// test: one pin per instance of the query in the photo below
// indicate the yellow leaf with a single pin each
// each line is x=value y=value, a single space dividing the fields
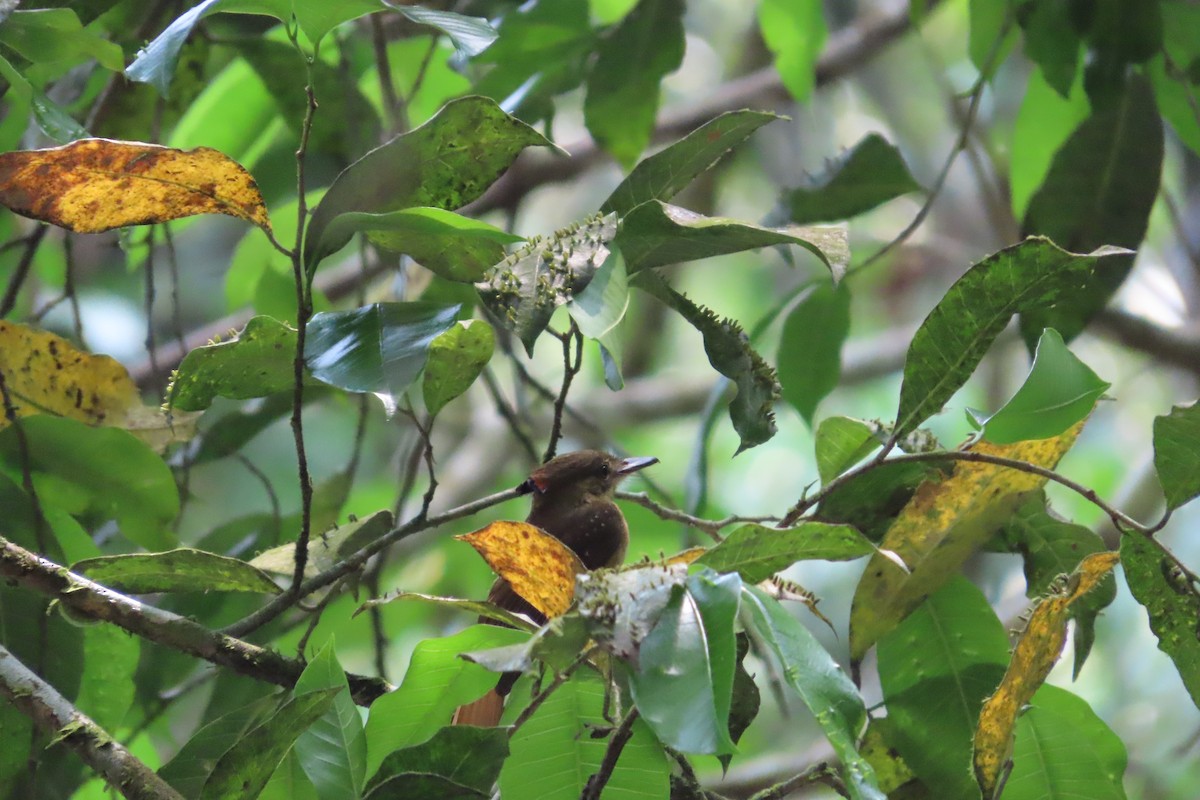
x=1036 y=651
x=685 y=556
x=942 y=525
x=94 y=185
x=46 y=374
x=540 y=568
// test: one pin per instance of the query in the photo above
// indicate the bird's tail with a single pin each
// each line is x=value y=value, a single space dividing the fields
x=484 y=712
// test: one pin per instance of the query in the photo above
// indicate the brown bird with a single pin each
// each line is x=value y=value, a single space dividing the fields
x=573 y=502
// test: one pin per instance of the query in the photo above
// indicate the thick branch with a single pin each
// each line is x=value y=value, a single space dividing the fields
x=61 y=721
x=179 y=633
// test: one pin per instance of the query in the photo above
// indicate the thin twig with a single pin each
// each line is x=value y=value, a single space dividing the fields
x=32 y=241
x=509 y=415
x=10 y=413
x=616 y=744
x=148 y=300
x=818 y=773
x=272 y=497
x=387 y=89
x=710 y=527
x=570 y=370
x=550 y=689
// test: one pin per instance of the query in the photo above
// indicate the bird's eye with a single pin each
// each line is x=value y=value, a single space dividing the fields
x=605 y=470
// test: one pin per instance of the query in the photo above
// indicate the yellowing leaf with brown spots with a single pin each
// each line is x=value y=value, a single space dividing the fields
x=540 y=568
x=94 y=185
x=942 y=525
x=1036 y=651
x=46 y=374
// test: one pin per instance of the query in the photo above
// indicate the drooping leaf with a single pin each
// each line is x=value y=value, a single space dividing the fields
x=667 y=172
x=95 y=185
x=470 y=35
x=991 y=35
x=540 y=568
x=247 y=766
x=1034 y=654
x=684 y=677
x=730 y=353
x=942 y=525
x=936 y=668
x=1059 y=391
x=1051 y=547
x=318 y=17
x=1172 y=601
x=1177 y=454
x=525 y=288
x=155 y=63
x=1099 y=191
x=1063 y=749
x=1052 y=42
x=746 y=697
x=821 y=684
x=623 y=85
x=446 y=163
x=599 y=308
x=1044 y=121
x=188 y=769
x=105 y=472
x=795 y=32
x=256 y=363
x=456 y=358
x=181 y=570
x=437 y=682
x=24 y=101
x=46 y=374
x=457 y=248
x=326 y=548
x=757 y=552
x=810 y=348
x=840 y=443
x=555 y=752
x=869 y=174
x=379 y=348
x=954 y=337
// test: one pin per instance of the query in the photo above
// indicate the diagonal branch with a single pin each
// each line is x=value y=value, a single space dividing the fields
x=61 y=721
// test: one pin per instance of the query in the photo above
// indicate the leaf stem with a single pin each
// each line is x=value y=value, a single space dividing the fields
x=571 y=368
x=616 y=744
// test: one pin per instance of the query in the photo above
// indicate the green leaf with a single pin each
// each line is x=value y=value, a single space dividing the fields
x=599 y=308
x=288 y=781
x=1044 y=122
x=189 y=769
x=466 y=755
x=476 y=607
x=106 y=472
x=277 y=65
x=51 y=119
x=795 y=32
x=1063 y=750
x=1052 y=547
x=256 y=363
x=730 y=353
x=623 y=85
x=667 y=172
x=336 y=544
x=333 y=751
x=872 y=500
x=1100 y=190
x=524 y=289
x=1051 y=42
x=1171 y=600
x=555 y=752
x=820 y=682
x=456 y=358
x=683 y=680
x=436 y=683
x=55 y=34
x=950 y=343
x=246 y=767
x=656 y=233
x=1059 y=391
x=446 y=163
x=810 y=347
x=470 y=35
x=746 y=698
x=757 y=552
x=1177 y=454
x=989 y=21
x=870 y=174
x=457 y=248
x=840 y=443
x=936 y=668
x=378 y=348
x=319 y=17
x=181 y=570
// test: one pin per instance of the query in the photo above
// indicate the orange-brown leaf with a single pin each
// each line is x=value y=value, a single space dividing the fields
x=1036 y=651
x=540 y=568
x=94 y=185
x=46 y=374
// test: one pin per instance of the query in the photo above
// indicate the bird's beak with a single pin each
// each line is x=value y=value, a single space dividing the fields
x=631 y=465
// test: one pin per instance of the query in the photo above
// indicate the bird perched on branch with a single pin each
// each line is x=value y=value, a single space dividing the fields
x=573 y=502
